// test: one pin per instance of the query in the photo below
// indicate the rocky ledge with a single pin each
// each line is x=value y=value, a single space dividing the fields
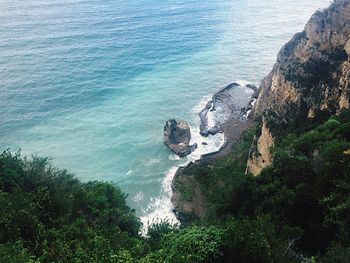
x=226 y=112
x=231 y=102
x=177 y=136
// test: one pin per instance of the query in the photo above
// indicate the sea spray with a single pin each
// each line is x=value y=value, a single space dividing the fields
x=160 y=208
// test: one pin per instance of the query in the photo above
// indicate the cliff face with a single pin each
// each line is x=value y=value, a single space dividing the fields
x=311 y=78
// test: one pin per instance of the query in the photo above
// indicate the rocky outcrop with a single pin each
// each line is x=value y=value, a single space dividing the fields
x=262 y=156
x=224 y=112
x=225 y=105
x=177 y=136
x=310 y=80
x=188 y=199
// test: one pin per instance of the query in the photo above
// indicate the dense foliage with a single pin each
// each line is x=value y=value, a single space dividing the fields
x=297 y=210
x=48 y=215
x=302 y=201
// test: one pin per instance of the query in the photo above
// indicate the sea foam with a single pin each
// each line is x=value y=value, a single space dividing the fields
x=161 y=208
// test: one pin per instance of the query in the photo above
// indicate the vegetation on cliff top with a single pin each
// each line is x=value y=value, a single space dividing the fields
x=298 y=210
x=302 y=200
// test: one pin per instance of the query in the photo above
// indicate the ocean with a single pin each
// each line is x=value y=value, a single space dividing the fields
x=90 y=83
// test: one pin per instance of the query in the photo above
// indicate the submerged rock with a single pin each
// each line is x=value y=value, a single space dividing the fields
x=177 y=136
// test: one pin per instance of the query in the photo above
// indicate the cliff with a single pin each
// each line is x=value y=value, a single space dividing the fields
x=309 y=81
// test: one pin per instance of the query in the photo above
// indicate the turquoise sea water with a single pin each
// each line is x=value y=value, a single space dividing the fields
x=92 y=82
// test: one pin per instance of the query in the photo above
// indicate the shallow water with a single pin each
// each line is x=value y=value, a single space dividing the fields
x=91 y=83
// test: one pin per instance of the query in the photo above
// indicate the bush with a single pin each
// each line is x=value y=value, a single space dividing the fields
x=47 y=214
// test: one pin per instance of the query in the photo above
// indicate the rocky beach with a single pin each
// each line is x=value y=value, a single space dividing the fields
x=227 y=112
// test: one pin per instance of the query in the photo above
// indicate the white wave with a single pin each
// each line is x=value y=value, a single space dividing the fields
x=243 y=83
x=138 y=197
x=247 y=114
x=174 y=157
x=161 y=208
x=201 y=105
x=152 y=161
x=211 y=144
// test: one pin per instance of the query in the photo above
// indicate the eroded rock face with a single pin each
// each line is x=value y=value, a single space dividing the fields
x=177 y=136
x=311 y=78
x=257 y=162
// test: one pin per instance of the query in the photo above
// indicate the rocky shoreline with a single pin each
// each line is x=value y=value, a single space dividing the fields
x=224 y=106
x=227 y=112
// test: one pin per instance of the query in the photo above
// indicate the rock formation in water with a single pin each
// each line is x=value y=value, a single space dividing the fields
x=177 y=136
x=310 y=80
x=225 y=105
x=226 y=112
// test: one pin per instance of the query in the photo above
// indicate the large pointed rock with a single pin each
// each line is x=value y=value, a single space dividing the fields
x=177 y=136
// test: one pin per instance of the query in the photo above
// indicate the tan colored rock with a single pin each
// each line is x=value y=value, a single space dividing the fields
x=262 y=158
x=344 y=102
x=311 y=75
x=311 y=113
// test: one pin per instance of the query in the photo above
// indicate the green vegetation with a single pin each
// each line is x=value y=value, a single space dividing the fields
x=221 y=181
x=299 y=207
x=297 y=210
x=49 y=216
x=186 y=190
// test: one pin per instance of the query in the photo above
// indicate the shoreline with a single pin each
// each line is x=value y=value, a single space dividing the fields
x=232 y=130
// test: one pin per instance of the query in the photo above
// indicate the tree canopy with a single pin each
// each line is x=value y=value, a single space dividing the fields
x=297 y=210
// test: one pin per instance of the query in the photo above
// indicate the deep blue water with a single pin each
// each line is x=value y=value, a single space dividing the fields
x=91 y=83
